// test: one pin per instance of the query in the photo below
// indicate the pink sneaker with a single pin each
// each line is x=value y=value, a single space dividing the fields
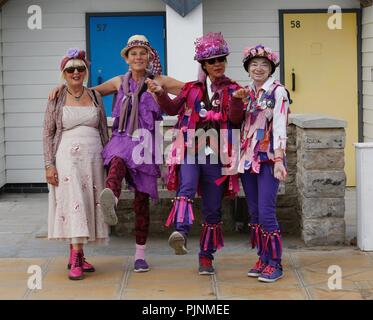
x=76 y=271
x=87 y=267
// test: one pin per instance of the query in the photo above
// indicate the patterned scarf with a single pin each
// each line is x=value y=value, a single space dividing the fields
x=133 y=99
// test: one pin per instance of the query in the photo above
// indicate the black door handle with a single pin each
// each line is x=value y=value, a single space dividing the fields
x=293 y=81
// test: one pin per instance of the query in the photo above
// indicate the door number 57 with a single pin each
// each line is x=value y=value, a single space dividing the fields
x=101 y=27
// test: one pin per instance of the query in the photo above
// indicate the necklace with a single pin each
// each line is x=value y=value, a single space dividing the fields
x=77 y=98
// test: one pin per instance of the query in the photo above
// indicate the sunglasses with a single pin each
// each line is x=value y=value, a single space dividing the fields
x=72 y=69
x=213 y=60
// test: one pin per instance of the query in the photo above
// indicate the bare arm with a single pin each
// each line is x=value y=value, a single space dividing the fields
x=109 y=86
x=169 y=84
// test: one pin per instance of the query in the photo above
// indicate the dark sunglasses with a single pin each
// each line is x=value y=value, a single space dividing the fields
x=213 y=60
x=72 y=69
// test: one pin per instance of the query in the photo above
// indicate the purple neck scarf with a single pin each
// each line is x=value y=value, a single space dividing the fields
x=133 y=98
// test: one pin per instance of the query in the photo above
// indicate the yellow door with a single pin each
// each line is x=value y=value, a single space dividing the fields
x=325 y=64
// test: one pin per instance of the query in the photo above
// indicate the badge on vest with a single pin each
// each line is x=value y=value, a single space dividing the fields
x=268 y=103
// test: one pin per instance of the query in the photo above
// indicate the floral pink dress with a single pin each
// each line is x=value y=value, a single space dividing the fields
x=74 y=210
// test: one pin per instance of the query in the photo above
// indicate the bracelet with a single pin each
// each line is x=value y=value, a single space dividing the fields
x=49 y=165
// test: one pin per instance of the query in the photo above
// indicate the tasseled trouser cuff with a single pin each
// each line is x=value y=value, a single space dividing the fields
x=211 y=237
x=272 y=246
x=181 y=212
x=256 y=237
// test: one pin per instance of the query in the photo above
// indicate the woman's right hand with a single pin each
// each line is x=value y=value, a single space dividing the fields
x=240 y=93
x=52 y=175
x=55 y=92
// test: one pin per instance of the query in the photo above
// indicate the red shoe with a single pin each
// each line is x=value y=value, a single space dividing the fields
x=205 y=266
x=76 y=271
x=87 y=267
x=257 y=269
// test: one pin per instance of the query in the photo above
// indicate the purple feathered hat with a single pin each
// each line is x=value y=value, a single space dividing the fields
x=211 y=45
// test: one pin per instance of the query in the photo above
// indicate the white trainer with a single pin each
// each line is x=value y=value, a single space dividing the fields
x=177 y=242
x=107 y=202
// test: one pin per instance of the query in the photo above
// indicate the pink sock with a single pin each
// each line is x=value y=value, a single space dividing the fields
x=140 y=252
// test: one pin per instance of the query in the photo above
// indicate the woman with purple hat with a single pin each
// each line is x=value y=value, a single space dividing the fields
x=262 y=162
x=74 y=134
x=204 y=104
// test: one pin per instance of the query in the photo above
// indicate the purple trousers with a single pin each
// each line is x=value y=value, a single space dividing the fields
x=261 y=192
x=203 y=175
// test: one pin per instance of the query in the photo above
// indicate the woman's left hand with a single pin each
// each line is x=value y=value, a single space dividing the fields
x=280 y=172
x=153 y=86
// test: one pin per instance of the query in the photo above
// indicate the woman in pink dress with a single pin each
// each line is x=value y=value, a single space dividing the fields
x=75 y=132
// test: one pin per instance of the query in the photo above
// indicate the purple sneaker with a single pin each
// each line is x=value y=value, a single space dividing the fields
x=141 y=266
x=271 y=274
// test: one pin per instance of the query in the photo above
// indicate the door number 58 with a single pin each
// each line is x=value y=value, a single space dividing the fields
x=295 y=24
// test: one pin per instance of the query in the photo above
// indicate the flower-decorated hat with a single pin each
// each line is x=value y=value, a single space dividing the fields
x=73 y=53
x=260 y=51
x=139 y=40
x=211 y=45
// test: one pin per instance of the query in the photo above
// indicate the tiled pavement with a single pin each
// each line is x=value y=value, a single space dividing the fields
x=23 y=217
x=175 y=277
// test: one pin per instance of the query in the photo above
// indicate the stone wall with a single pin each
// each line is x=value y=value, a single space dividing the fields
x=321 y=179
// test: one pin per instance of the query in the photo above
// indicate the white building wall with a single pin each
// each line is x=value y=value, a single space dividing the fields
x=31 y=69
x=2 y=130
x=367 y=48
x=181 y=33
x=249 y=22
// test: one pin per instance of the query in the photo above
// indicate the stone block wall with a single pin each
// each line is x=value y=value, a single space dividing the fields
x=321 y=179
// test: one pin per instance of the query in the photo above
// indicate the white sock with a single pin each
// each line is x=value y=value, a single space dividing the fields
x=140 y=251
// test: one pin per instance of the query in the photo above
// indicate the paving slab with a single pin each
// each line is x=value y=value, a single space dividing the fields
x=23 y=221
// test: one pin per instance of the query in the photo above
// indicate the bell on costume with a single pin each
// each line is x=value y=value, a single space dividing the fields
x=203 y=111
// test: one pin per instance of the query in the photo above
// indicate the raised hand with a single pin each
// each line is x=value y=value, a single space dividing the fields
x=55 y=92
x=240 y=93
